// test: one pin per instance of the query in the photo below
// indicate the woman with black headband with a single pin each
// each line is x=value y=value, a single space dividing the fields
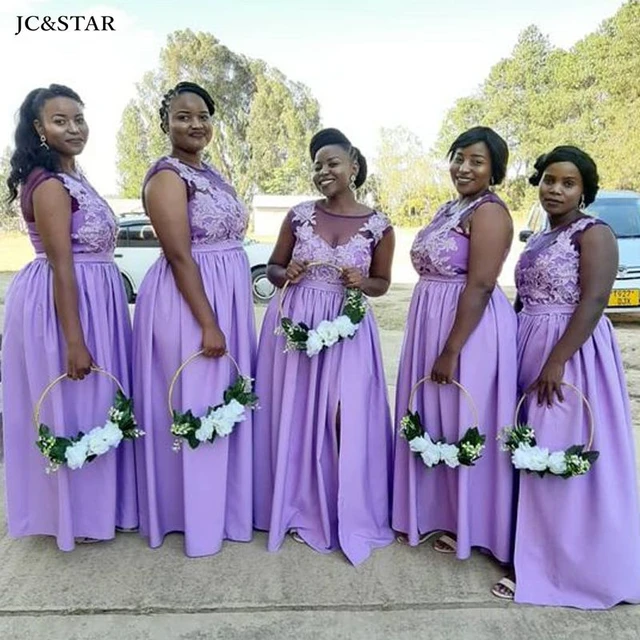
x=578 y=526
x=196 y=297
x=323 y=435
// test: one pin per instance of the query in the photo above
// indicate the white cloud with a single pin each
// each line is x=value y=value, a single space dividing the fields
x=102 y=67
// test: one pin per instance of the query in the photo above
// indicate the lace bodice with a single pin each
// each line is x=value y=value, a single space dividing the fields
x=215 y=211
x=346 y=241
x=442 y=247
x=548 y=271
x=93 y=225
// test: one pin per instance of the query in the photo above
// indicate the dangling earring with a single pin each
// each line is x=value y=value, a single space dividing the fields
x=352 y=183
x=492 y=183
x=43 y=142
x=581 y=206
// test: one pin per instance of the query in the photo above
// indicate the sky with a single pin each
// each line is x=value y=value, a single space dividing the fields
x=370 y=63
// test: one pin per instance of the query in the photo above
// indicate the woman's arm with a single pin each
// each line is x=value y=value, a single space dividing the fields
x=52 y=211
x=165 y=197
x=598 y=267
x=281 y=268
x=379 y=279
x=491 y=233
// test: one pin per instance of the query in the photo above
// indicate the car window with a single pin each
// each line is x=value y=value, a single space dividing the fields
x=142 y=235
x=621 y=214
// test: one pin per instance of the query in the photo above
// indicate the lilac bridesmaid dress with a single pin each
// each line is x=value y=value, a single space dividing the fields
x=89 y=502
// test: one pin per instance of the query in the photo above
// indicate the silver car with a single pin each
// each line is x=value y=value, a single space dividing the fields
x=138 y=248
x=621 y=211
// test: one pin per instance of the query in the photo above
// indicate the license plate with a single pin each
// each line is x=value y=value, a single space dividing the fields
x=624 y=298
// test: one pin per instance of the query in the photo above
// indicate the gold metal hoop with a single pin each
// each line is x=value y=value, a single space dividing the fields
x=592 y=427
x=467 y=395
x=181 y=368
x=318 y=263
x=53 y=383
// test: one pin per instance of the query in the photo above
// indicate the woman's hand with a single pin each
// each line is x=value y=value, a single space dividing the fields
x=214 y=344
x=79 y=361
x=295 y=271
x=444 y=367
x=549 y=382
x=352 y=278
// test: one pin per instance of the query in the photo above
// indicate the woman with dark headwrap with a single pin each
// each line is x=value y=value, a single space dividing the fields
x=195 y=297
x=323 y=435
x=577 y=538
x=461 y=327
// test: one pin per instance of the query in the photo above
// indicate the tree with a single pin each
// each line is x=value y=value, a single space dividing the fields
x=410 y=185
x=133 y=156
x=9 y=213
x=256 y=108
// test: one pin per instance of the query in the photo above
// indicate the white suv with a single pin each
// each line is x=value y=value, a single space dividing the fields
x=621 y=211
x=138 y=248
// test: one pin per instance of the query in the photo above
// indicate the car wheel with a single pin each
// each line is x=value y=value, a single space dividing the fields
x=128 y=289
x=262 y=289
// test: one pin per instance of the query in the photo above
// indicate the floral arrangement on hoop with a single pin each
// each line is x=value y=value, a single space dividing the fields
x=466 y=451
x=74 y=452
x=300 y=337
x=526 y=455
x=219 y=420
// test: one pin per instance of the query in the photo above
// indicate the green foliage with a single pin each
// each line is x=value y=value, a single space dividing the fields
x=542 y=96
x=262 y=125
x=9 y=213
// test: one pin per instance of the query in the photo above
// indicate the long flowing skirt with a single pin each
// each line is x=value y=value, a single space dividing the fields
x=205 y=492
x=323 y=437
x=473 y=502
x=578 y=539
x=88 y=502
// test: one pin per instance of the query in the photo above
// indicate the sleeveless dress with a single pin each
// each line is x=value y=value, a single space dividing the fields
x=203 y=492
x=474 y=502
x=577 y=539
x=332 y=486
x=92 y=501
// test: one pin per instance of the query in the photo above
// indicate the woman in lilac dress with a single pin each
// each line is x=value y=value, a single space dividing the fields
x=460 y=327
x=196 y=296
x=323 y=435
x=65 y=311
x=577 y=539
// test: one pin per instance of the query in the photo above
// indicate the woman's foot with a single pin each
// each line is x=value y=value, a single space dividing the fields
x=445 y=544
x=296 y=536
x=402 y=538
x=504 y=588
x=84 y=540
x=124 y=530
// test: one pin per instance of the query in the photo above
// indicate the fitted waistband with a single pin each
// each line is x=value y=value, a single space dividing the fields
x=223 y=245
x=84 y=257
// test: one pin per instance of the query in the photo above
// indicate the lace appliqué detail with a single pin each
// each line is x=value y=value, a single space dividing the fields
x=311 y=247
x=216 y=213
x=94 y=224
x=553 y=276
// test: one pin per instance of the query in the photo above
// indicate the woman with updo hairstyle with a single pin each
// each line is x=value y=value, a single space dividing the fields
x=196 y=297
x=461 y=327
x=323 y=435
x=577 y=540
x=65 y=312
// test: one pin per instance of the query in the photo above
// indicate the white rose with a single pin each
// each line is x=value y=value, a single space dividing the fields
x=521 y=457
x=419 y=444
x=314 y=343
x=206 y=428
x=557 y=463
x=223 y=422
x=97 y=441
x=431 y=456
x=112 y=434
x=539 y=459
x=328 y=332
x=449 y=454
x=76 y=455
x=235 y=410
x=344 y=326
